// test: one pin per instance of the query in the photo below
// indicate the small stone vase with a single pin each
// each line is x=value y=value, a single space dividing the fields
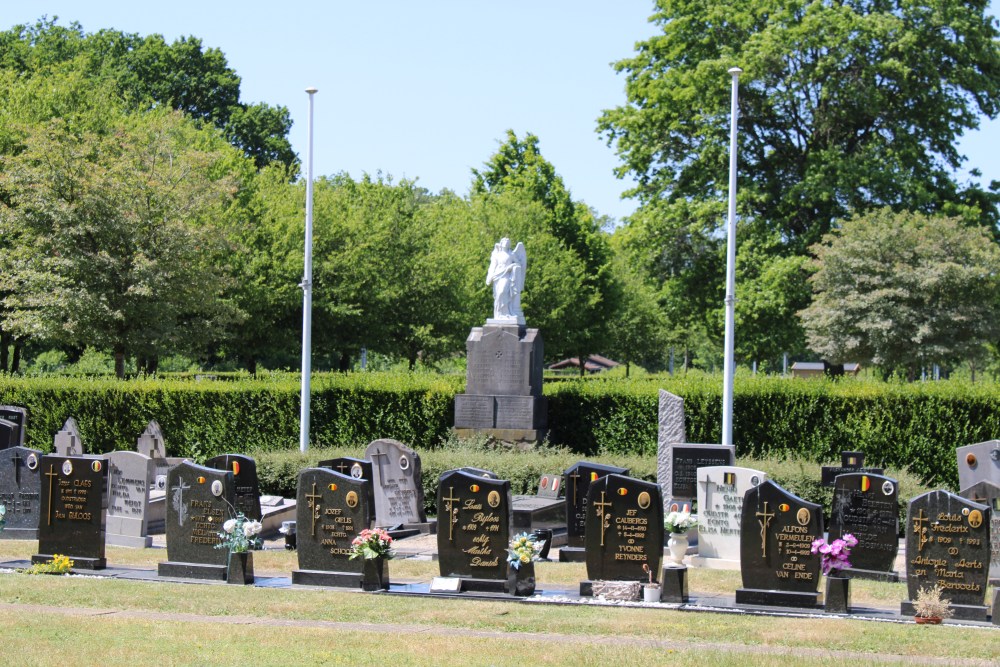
x=838 y=595
x=651 y=593
x=375 y=574
x=239 y=568
x=521 y=581
x=678 y=546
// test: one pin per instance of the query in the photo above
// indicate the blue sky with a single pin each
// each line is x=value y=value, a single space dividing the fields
x=426 y=90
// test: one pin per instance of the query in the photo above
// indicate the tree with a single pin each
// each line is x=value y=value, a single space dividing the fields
x=845 y=107
x=904 y=290
x=110 y=241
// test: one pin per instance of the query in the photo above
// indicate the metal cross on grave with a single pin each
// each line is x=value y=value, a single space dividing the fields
x=452 y=512
x=313 y=502
x=764 y=519
x=605 y=516
x=343 y=466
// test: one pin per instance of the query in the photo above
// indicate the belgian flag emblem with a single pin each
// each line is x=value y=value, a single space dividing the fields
x=729 y=478
x=865 y=484
x=593 y=477
x=236 y=468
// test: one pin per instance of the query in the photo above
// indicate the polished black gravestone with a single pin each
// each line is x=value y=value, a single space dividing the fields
x=356 y=468
x=331 y=510
x=13 y=426
x=20 y=492
x=988 y=493
x=624 y=529
x=685 y=460
x=473 y=529
x=948 y=545
x=247 y=489
x=579 y=477
x=73 y=510
x=777 y=532
x=866 y=505
x=850 y=462
x=199 y=500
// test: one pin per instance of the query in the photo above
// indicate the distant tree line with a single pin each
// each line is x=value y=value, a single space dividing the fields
x=146 y=211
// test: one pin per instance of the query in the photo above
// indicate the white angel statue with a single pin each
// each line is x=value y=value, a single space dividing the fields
x=506 y=274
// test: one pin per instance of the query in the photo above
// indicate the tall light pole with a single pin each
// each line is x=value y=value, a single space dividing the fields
x=306 y=286
x=729 y=361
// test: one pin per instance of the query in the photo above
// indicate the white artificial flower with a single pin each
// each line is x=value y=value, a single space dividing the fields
x=251 y=528
x=229 y=525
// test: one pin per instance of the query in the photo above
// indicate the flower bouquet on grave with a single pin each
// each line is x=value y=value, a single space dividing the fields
x=679 y=522
x=523 y=549
x=240 y=535
x=833 y=557
x=372 y=544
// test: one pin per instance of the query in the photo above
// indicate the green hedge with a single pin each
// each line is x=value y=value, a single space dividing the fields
x=915 y=426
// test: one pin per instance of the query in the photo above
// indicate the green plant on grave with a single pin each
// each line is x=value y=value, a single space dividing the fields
x=930 y=604
x=58 y=565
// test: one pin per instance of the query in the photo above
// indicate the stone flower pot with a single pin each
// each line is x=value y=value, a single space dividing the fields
x=239 y=568
x=521 y=581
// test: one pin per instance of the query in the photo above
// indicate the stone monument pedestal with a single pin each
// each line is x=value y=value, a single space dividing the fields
x=503 y=393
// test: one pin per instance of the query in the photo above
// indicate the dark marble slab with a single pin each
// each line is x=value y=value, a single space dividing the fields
x=624 y=528
x=21 y=492
x=474 y=515
x=247 y=487
x=73 y=510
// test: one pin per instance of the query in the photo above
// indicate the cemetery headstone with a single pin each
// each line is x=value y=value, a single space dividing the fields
x=850 y=462
x=776 y=534
x=978 y=462
x=129 y=477
x=578 y=478
x=20 y=492
x=73 y=510
x=671 y=432
x=356 y=468
x=624 y=529
x=948 y=545
x=199 y=500
x=479 y=472
x=397 y=478
x=332 y=509
x=247 y=488
x=685 y=459
x=720 y=512
x=543 y=511
x=13 y=426
x=988 y=493
x=151 y=442
x=473 y=529
x=67 y=442
x=867 y=506
x=549 y=486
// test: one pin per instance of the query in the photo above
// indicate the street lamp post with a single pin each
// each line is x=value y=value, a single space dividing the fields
x=306 y=286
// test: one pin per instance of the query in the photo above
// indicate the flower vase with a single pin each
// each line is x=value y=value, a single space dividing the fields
x=838 y=594
x=239 y=568
x=927 y=620
x=521 y=580
x=375 y=574
x=651 y=593
x=678 y=545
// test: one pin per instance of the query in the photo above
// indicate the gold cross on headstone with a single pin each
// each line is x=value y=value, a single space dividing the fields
x=452 y=512
x=343 y=466
x=605 y=516
x=921 y=530
x=764 y=519
x=51 y=474
x=312 y=500
x=576 y=482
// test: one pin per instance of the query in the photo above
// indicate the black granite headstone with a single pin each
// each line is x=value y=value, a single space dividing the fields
x=473 y=526
x=867 y=506
x=20 y=492
x=579 y=477
x=479 y=472
x=199 y=500
x=247 y=490
x=624 y=528
x=356 y=468
x=850 y=462
x=948 y=545
x=988 y=493
x=777 y=532
x=73 y=510
x=685 y=461
x=13 y=426
x=331 y=510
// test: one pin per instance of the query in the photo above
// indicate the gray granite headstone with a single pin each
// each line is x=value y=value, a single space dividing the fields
x=988 y=493
x=129 y=477
x=151 y=443
x=396 y=472
x=978 y=462
x=332 y=509
x=20 y=492
x=671 y=432
x=948 y=545
x=199 y=501
x=73 y=510
x=13 y=426
x=720 y=510
x=67 y=442
x=247 y=489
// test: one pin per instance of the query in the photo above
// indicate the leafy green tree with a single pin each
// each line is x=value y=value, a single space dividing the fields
x=845 y=107
x=903 y=291
x=109 y=236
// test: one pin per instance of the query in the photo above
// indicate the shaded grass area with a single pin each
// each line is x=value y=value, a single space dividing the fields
x=582 y=626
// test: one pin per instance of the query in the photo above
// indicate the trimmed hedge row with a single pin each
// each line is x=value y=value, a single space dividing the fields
x=915 y=426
